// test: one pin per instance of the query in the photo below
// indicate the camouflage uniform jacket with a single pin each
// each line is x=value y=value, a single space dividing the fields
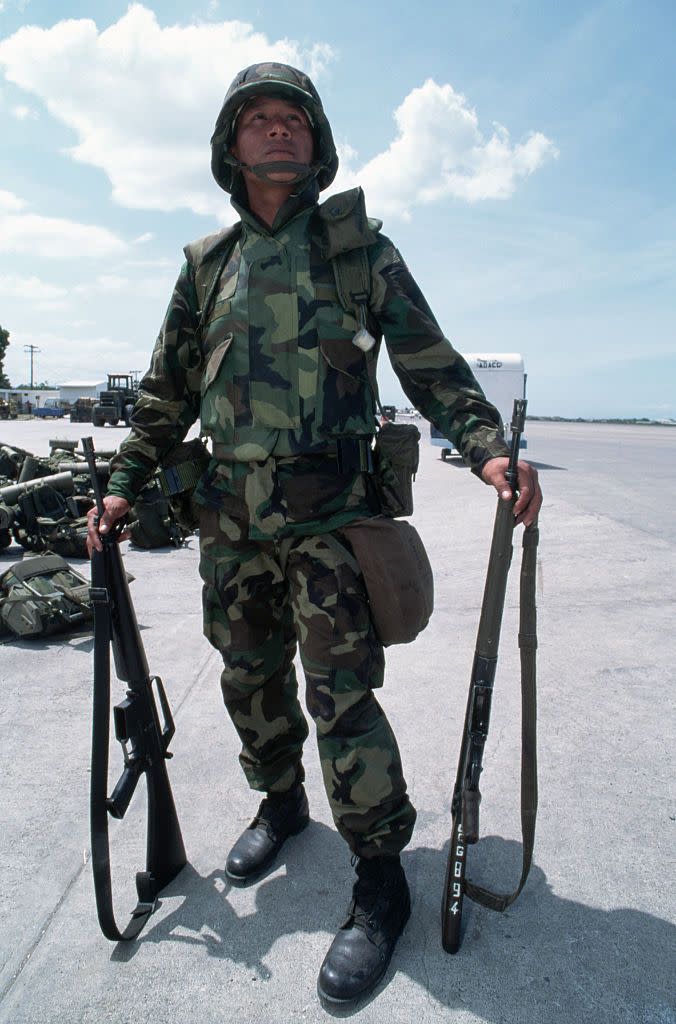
x=275 y=378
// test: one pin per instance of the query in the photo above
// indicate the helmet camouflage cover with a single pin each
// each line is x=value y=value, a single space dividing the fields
x=287 y=83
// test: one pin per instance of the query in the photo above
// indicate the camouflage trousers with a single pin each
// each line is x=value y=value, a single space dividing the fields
x=262 y=600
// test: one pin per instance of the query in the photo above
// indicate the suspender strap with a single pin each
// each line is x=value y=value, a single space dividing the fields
x=346 y=232
x=352 y=274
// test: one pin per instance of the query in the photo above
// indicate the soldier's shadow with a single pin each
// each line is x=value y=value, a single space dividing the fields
x=545 y=959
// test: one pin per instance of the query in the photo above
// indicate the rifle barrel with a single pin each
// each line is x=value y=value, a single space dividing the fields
x=88 y=449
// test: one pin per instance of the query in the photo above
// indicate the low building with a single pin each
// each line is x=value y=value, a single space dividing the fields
x=26 y=399
x=71 y=390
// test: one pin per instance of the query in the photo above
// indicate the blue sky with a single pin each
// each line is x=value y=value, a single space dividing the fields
x=520 y=154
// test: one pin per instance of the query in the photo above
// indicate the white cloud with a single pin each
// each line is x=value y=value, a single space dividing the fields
x=159 y=263
x=440 y=152
x=10 y=202
x=20 y=5
x=135 y=285
x=61 y=357
x=147 y=236
x=146 y=126
x=142 y=99
x=40 y=294
x=53 y=237
x=111 y=282
x=22 y=113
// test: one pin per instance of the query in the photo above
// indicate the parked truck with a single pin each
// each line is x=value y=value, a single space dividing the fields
x=117 y=401
x=502 y=377
x=52 y=408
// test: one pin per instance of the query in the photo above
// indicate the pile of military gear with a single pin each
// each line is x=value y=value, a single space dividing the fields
x=44 y=501
x=43 y=506
x=41 y=595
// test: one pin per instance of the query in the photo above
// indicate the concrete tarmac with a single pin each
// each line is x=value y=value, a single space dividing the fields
x=591 y=938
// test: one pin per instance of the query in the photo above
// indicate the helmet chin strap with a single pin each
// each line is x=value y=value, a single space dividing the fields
x=301 y=172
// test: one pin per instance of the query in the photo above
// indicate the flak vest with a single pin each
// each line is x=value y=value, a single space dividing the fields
x=278 y=316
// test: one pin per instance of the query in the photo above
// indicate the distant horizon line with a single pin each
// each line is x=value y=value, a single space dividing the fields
x=638 y=420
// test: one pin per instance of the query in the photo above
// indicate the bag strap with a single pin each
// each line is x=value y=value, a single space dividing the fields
x=352 y=274
x=529 y=785
x=346 y=233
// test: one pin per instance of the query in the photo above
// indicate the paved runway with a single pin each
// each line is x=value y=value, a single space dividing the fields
x=591 y=938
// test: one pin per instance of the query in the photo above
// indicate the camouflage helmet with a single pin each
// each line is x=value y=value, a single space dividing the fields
x=285 y=82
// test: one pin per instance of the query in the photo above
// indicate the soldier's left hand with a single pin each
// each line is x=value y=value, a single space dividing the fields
x=528 y=503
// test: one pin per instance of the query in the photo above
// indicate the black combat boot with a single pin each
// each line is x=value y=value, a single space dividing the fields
x=358 y=956
x=279 y=816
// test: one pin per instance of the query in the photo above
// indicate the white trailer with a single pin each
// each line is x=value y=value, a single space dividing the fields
x=502 y=377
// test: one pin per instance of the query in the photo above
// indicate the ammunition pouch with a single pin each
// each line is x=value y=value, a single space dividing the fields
x=153 y=525
x=397 y=574
x=178 y=476
x=354 y=454
x=165 y=512
x=395 y=457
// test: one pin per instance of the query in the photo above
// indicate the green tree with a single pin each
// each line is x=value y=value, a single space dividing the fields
x=4 y=342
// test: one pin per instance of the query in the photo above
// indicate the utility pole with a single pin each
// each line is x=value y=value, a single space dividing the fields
x=32 y=349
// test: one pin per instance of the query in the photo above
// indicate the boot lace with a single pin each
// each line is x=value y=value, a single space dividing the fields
x=274 y=811
x=371 y=901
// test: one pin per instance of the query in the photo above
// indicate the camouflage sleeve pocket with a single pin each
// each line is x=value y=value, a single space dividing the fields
x=214 y=363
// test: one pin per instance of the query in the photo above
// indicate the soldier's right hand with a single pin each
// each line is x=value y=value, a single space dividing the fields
x=114 y=509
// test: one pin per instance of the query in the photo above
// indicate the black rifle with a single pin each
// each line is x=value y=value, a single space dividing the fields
x=144 y=739
x=466 y=794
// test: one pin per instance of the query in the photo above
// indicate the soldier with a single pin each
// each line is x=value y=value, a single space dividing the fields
x=264 y=343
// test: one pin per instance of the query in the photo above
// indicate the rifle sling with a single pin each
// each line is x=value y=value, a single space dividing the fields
x=99 y=765
x=529 y=786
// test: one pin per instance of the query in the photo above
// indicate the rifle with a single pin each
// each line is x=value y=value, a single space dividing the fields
x=144 y=739
x=466 y=794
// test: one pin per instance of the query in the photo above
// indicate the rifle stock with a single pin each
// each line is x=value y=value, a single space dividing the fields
x=143 y=735
x=466 y=792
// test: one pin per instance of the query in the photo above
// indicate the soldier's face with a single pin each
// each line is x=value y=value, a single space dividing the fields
x=271 y=129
